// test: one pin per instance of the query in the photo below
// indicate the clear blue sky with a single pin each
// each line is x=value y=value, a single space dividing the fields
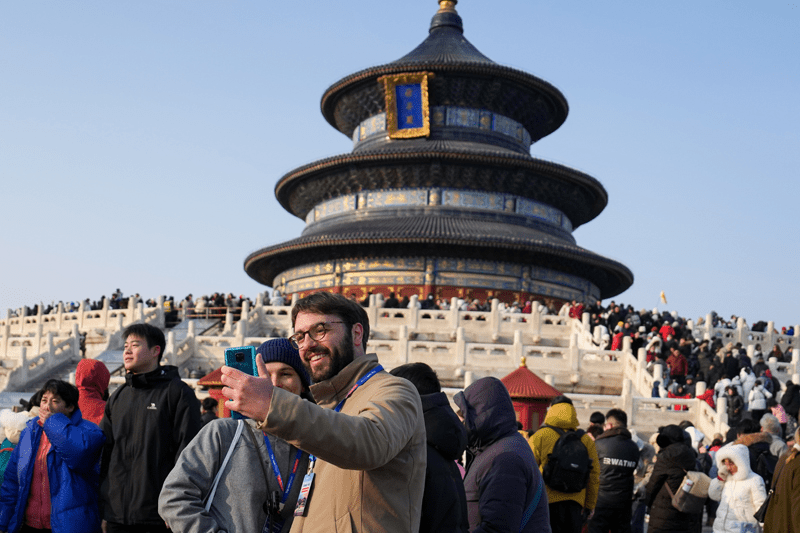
x=140 y=142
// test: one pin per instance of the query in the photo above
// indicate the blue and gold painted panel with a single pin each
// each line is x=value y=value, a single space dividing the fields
x=407 y=110
x=473 y=199
x=392 y=198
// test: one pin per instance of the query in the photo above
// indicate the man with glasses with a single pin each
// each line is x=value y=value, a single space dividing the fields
x=366 y=431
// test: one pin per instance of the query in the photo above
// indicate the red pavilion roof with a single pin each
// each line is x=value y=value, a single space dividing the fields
x=522 y=383
x=214 y=379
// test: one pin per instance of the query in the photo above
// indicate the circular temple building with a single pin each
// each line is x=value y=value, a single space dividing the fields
x=440 y=194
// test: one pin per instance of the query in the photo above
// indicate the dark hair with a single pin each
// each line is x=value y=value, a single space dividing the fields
x=64 y=390
x=209 y=404
x=597 y=418
x=326 y=303
x=594 y=430
x=151 y=334
x=560 y=399
x=747 y=426
x=619 y=415
x=420 y=375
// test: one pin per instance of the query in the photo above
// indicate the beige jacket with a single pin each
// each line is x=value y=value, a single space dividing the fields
x=371 y=456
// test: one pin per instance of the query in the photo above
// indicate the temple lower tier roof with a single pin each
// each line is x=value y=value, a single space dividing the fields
x=438 y=236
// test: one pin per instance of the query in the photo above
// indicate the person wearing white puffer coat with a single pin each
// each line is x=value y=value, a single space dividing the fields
x=738 y=489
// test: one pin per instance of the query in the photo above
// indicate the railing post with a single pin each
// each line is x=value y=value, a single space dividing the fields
x=641 y=368
x=453 y=315
x=76 y=341
x=105 y=312
x=23 y=355
x=517 y=348
x=722 y=413
x=402 y=343
x=81 y=312
x=6 y=336
x=585 y=322
x=741 y=330
x=413 y=313
x=59 y=315
x=769 y=335
x=372 y=310
x=495 y=318
x=627 y=396
x=191 y=336
x=574 y=355
x=536 y=323
x=239 y=334
x=37 y=342
x=461 y=346
x=169 y=350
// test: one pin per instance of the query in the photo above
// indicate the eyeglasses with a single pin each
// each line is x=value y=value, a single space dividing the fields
x=317 y=332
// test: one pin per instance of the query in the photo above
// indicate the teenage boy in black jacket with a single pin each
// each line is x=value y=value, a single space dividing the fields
x=618 y=456
x=148 y=421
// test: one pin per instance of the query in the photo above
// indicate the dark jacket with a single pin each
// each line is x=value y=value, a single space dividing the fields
x=444 y=503
x=735 y=408
x=502 y=478
x=72 y=470
x=674 y=458
x=618 y=456
x=791 y=400
x=148 y=422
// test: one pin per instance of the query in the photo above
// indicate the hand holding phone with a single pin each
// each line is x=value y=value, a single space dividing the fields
x=242 y=358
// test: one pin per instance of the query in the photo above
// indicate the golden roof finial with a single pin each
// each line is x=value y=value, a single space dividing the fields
x=523 y=362
x=448 y=6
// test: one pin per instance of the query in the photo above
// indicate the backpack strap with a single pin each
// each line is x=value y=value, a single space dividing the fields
x=532 y=507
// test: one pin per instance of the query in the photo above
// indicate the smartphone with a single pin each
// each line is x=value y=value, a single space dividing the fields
x=242 y=358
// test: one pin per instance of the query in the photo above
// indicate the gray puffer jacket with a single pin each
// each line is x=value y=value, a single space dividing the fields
x=238 y=503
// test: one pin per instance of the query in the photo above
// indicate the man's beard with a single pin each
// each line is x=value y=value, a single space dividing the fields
x=340 y=356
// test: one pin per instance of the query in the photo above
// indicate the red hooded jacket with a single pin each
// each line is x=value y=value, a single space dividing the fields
x=92 y=378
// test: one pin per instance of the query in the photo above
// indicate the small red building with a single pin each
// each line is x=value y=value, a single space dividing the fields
x=213 y=382
x=531 y=396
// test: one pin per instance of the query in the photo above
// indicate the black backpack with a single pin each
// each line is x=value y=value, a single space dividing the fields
x=568 y=465
x=765 y=467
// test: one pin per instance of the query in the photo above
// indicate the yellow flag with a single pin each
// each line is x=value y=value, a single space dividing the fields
x=663 y=297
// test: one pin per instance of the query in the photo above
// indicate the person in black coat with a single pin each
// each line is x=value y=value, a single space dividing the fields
x=791 y=399
x=444 y=502
x=674 y=459
x=619 y=457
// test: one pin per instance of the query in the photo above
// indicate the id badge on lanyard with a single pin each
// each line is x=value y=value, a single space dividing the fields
x=308 y=480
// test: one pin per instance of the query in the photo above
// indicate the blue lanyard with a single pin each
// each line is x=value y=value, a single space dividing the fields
x=277 y=470
x=360 y=382
x=312 y=460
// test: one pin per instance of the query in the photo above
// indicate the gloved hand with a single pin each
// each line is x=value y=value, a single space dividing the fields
x=587 y=514
x=723 y=473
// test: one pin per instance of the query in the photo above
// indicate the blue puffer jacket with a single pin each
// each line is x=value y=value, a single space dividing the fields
x=73 y=467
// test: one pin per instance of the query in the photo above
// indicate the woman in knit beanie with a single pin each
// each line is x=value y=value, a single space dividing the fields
x=250 y=495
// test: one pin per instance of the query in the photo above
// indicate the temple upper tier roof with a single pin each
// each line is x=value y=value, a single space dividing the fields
x=578 y=195
x=463 y=76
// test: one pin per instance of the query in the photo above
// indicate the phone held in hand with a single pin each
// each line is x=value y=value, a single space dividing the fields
x=242 y=358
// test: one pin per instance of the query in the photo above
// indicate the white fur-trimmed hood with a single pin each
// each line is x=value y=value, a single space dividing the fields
x=739 y=454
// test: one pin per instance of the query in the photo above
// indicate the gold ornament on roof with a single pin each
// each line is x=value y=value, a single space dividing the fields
x=447 y=6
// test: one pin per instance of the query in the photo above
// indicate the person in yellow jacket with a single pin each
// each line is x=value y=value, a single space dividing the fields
x=568 y=511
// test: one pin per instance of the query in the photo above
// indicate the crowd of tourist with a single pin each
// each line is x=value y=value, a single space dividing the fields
x=385 y=451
